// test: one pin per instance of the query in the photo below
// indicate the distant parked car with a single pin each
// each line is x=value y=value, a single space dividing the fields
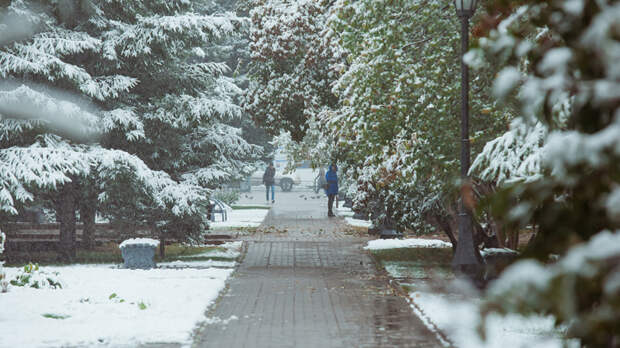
x=285 y=181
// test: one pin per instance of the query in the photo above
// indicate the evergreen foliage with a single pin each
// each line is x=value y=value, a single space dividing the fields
x=136 y=77
x=559 y=60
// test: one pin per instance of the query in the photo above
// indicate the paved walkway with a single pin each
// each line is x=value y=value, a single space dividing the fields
x=305 y=282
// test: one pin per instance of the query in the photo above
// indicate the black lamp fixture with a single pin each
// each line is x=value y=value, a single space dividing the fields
x=387 y=229
x=465 y=8
x=467 y=259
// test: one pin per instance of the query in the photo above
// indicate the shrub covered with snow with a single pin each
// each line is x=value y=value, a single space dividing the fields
x=292 y=65
x=562 y=289
x=227 y=196
x=567 y=54
x=138 y=78
x=34 y=277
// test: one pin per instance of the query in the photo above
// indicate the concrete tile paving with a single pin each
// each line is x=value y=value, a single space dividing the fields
x=302 y=288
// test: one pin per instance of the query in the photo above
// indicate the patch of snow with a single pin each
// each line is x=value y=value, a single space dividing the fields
x=242 y=218
x=495 y=251
x=612 y=204
x=459 y=319
x=379 y=244
x=139 y=241
x=218 y=320
x=228 y=254
x=105 y=305
x=506 y=81
x=523 y=273
x=427 y=322
x=196 y=264
x=357 y=223
x=342 y=211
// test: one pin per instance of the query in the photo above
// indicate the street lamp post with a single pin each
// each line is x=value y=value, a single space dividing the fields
x=466 y=261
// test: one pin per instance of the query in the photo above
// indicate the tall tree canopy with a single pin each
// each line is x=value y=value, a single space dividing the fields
x=136 y=74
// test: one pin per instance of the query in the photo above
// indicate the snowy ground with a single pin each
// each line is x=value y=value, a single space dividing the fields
x=347 y=213
x=101 y=305
x=458 y=318
x=240 y=218
x=379 y=244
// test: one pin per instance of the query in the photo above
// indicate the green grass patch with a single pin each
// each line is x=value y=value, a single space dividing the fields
x=107 y=253
x=435 y=256
x=246 y=207
x=419 y=264
x=228 y=229
x=55 y=316
x=407 y=288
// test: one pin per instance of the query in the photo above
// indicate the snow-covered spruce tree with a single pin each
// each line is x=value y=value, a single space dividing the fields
x=184 y=99
x=33 y=163
x=291 y=68
x=98 y=73
x=576 y=200
x=397 y=122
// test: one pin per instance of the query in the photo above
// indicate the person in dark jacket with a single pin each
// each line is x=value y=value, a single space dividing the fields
x=269 y=181
x=332 y=188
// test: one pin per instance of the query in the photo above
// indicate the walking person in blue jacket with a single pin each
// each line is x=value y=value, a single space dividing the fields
x=332 y=188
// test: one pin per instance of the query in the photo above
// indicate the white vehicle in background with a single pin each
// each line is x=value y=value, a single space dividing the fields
x=285 y=181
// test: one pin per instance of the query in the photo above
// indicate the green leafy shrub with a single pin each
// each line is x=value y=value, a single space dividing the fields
x=32 y=276
x=55 y=316
x=227 y=196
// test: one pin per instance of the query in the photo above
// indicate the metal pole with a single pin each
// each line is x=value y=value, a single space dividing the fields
x=464 y=99
x=465 y=259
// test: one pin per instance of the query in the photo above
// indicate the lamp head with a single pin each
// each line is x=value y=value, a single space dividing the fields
x=465 y=8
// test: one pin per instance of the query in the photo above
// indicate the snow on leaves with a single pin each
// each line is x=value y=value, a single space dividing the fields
x=514 y=156
x=180 y=198
x=186 y=111
x=134 y=40
x=37 y=167
x=291 y=65
x=62 y=42
x=124 y=120
x=531 y=287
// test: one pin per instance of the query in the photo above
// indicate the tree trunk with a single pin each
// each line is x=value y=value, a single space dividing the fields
x=66 y=204
x=501 y=237
x=88 y=211
x=513 y=239
x=443 y=222
x=162 y=246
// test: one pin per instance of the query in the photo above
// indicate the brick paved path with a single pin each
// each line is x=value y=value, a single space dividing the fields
x=300 y=287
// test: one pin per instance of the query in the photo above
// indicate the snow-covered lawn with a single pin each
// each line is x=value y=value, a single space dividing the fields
x=105 y=305
x=458 y=318
x=241 y=218
x=379 y=244
x=232 y=251
x=343 y=211
x=347 y=213
x=357 y=223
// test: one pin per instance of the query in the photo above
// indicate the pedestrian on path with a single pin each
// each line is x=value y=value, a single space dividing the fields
x=269 y=181
x=332 y=188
